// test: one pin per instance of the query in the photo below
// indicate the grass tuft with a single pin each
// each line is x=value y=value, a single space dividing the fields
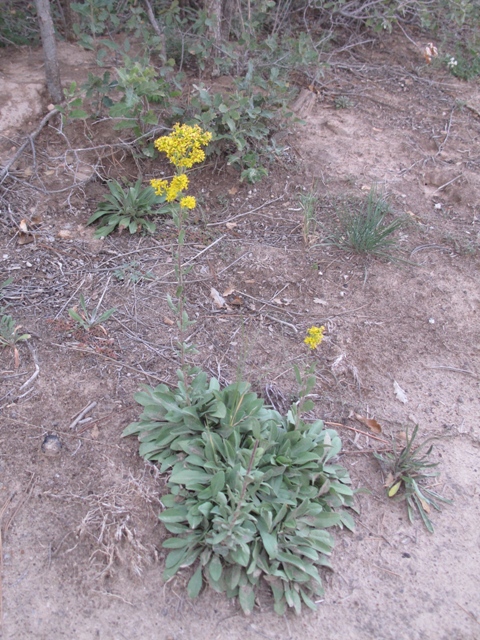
x=407 y=472
x=367 y=231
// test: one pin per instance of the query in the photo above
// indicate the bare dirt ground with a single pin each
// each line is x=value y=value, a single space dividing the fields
x=82 y=555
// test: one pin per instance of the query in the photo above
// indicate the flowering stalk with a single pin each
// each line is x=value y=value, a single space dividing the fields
x=306 y=380
x=183 y=148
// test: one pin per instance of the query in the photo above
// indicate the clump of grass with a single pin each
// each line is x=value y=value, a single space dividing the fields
x=308 y=202
x=367 y=231
x=88 y=320
x=343 y=102
x=10 y=335
x=407 y=472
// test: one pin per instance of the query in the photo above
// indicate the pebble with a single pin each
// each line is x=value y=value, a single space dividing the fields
x=51 y=445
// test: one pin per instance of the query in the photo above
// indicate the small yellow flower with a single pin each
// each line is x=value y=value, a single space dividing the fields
x=314 y=337
x=160 y=186
x=188 y=202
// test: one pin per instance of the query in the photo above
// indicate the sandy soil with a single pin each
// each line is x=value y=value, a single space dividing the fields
x=82 y=555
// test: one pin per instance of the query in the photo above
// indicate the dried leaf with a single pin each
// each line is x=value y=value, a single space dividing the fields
x=237 y=301
x=389 y=480
x=372 y=424
x=218 y=301
x=23 y=226
x=36 y=219
x=430 y=52
x=17 y=357
x=425 y=505
x=277 y=301
x=231 y=225
x=65 y=234
x=94 y=433
x=24 y=238
x=233 y=191
x=168 y=321
x=228 y=292
x=399 y=392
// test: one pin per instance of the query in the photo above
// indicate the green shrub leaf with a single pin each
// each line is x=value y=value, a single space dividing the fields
x=215 y=568
x=195 y=583
x=246 y=597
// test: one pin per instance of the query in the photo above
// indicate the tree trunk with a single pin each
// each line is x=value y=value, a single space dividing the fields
x=68 y=19
x=227 y=17
x=213 y=9
x=47 y=33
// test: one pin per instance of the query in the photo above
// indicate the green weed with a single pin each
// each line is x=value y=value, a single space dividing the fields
x=465 y=64
x=243 y=120
x=10 y=334
x=407 y=471
x=366 y=231
x=343 y=102
x=126 y=209
x=88 y=320
x=131 y=272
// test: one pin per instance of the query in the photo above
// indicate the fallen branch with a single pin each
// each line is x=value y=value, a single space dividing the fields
x=363 y=433
x=28 y=141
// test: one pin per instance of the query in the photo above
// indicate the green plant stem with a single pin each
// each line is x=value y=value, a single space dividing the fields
x=244 y=487
x=181 y=299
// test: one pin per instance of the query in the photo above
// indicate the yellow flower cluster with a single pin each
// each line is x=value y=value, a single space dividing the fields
x=183 y=146
x=178 y=184
x=188 y=202
x=314 y=337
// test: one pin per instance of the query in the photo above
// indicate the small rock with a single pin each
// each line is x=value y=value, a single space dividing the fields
x=51 y=445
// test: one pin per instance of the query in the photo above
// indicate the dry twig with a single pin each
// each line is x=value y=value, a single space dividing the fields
x=363 y=433
x=247 y=213
x=28 y=141
x=82 y=413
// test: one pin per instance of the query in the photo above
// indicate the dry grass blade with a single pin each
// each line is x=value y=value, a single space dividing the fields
x=110 y=524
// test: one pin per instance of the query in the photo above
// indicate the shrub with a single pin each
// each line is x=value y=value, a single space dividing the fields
x=251 y=492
